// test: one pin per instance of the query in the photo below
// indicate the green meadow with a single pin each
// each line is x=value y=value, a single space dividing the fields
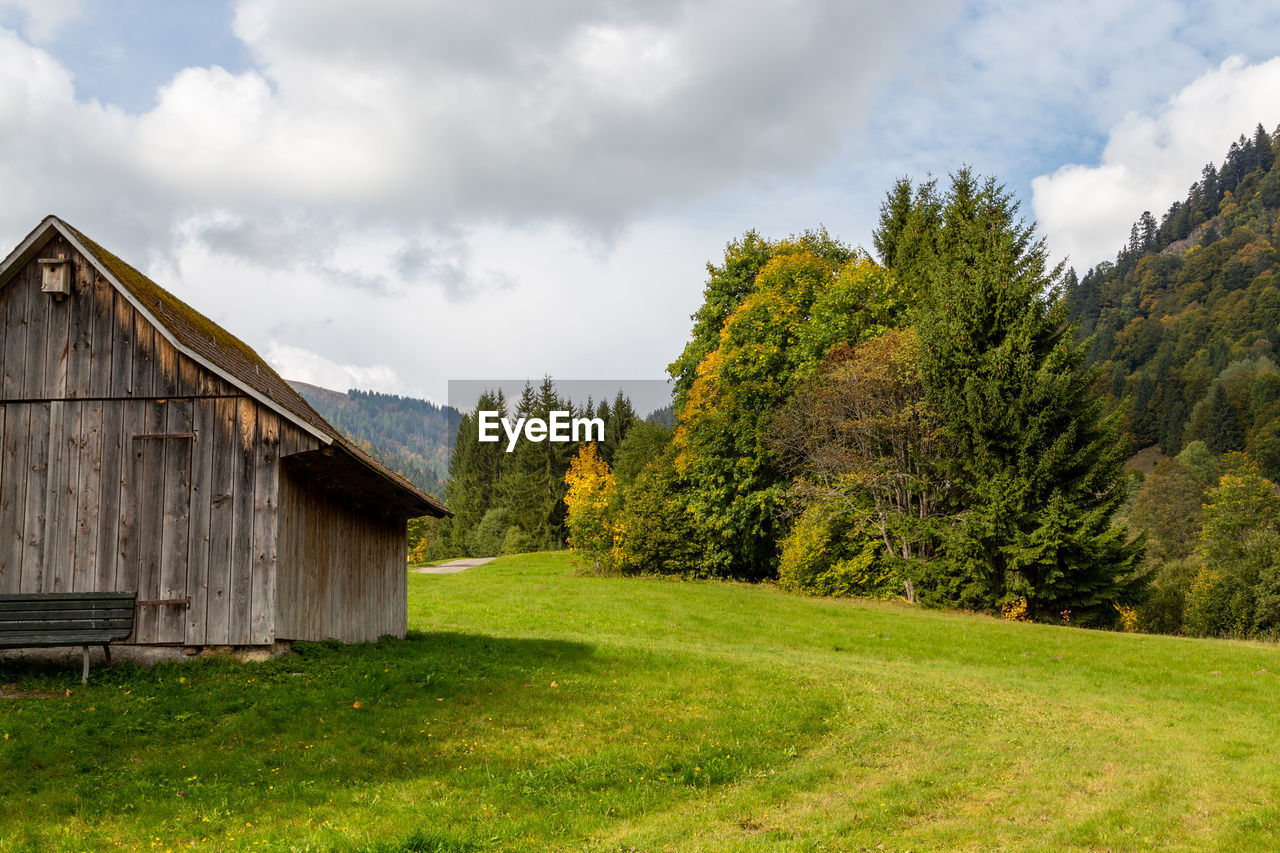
x=537 y=708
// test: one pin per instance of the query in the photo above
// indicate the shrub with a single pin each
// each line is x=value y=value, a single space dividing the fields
x=431 y=539
x=590 y=500
x=516 y=541
x=827 y=554
x=1218 y=605
x=486 y=540
x=653 y=532
x=1164 y=608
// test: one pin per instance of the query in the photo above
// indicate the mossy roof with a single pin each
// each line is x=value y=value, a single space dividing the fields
x=237 y=361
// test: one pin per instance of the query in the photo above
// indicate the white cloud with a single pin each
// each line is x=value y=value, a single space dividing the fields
x=300 y=365
x=433 y=113
x=1150 y=160
x=436 y=117
x=496 y=189
x=562 y=308
x=42 y=19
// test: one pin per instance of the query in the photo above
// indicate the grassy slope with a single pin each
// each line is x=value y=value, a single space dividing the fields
x=535 y=709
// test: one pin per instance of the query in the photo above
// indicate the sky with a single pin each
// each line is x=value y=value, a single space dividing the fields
x=393 y=194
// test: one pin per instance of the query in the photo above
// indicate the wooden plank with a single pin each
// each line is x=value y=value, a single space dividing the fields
x=309 y=547
x=188 y=376
x=103 y=336
x=20 y=614
x=8 y=296
x=209 y=384
x=221 y=436
x=35 y=380
x=37 y=493
x=286 y=564
x=13 y=481
x=143 y=358
x=79 y=329
x=34 y=639
x=350 y=609
x=332 y=536
x=166 y=367
x=64 y=499
x=149 y=482
x=399 y=610
x=112 y=459
x=197 y=580
x=328 y=555
x=239 y=628
x=133 y=416
x=15 y=320
x=62 y=621
x=106 y=599
x=372 y=576
x=369 y=578
x=57 y=346
x=57 y=534
x=122 y=337
x=265 y=515
x=175 y=497
x=88 y=491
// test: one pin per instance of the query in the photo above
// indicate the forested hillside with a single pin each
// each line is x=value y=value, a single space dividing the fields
x=1187 y=319
x=1186 y=332
x=408 y=435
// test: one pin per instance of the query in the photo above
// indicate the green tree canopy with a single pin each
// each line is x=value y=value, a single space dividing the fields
x=1038 y=465
x=802 y=302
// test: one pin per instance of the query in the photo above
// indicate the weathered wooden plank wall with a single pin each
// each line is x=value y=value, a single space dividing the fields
x=341 y=570
x=87 y=505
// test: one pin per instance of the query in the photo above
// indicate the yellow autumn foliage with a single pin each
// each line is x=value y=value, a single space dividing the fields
x=590 y=504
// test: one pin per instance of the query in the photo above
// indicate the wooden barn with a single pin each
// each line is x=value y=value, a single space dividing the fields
x=143 y=448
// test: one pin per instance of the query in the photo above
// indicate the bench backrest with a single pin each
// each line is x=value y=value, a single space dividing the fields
x=65 y=618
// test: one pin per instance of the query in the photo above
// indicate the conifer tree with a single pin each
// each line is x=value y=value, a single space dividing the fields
x=617 y=423
x=474 y=469
x=524 y=489
x=1262 y=145
x=1038 y=465
x=1223 y=431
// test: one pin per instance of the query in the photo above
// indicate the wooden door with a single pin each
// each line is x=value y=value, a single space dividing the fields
x=155 y=518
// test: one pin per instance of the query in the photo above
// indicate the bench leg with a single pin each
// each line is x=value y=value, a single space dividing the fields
x=106 y=651
x=84 y=676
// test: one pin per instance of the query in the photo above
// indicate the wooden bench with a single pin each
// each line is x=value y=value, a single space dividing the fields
x=42 y=619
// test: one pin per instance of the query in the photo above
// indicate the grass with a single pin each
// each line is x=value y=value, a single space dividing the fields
x=533 y=708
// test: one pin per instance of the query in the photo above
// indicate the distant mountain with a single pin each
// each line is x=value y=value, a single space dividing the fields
x=410 y=436
x=1186 y=322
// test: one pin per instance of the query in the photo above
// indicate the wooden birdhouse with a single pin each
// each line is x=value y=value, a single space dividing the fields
x=55 y=276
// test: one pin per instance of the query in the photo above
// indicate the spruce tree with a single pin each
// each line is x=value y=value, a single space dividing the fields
x=617 y=423
x=474 y=469
x=532 y=485
x=1038 y=464
x=1262 y=145
x=1223 y=431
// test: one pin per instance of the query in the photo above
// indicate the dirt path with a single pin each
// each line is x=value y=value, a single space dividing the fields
x=454 y=566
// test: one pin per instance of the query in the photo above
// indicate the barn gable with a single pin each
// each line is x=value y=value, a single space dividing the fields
x=143 y=447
